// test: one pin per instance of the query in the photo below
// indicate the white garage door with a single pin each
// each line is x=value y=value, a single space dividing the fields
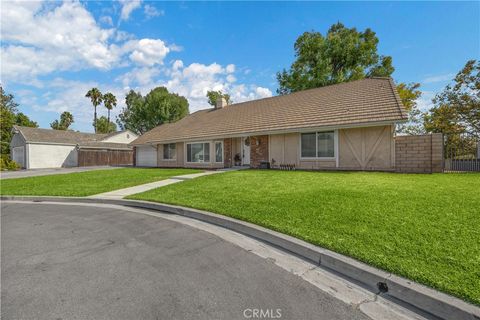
x=19 y=156
x=146 y=156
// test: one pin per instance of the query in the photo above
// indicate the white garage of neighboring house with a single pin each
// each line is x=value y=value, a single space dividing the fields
x=35 y=148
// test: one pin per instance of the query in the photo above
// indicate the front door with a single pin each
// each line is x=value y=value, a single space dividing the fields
x=246 y=151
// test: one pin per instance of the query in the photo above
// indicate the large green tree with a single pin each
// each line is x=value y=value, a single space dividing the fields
x=343 y=54
x=66 y=120
x=213 y=96
x=9 y=116
x=105 y=126
x=96 y=98
x=145 y=113
x=457 y=108
x=110 y=101
x=409 y=94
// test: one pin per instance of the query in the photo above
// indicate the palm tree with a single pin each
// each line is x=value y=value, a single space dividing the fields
x=66 y=119
x=96 y=97
x=110 y=101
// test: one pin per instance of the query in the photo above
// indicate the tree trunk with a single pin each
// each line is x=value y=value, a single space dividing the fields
x=95 y=119
x=108 y=110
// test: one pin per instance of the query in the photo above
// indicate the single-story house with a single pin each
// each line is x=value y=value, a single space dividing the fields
x=347 y=126
x=35 y=148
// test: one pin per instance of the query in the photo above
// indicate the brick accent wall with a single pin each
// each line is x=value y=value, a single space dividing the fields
x=134 y=156
x=258 y=150
x=227 y=152
x=419 y=154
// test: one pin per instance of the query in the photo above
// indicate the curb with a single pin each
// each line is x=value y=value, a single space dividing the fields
x=421 y=297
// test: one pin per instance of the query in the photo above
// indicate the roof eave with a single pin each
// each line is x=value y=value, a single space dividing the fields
x=270 y=132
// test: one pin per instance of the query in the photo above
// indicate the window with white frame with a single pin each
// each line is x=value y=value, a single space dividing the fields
x=198 y=152
x=169 y=151
x=218 y=151
x=318 y=144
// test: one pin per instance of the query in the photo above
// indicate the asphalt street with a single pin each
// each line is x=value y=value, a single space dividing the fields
x=75 y=262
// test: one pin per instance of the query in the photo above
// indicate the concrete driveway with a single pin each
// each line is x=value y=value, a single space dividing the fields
x=79 y=262
x=47 y=172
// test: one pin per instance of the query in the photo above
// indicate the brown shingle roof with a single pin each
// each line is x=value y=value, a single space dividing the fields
x=351 y=103
x=58 y=136
x=82 y=139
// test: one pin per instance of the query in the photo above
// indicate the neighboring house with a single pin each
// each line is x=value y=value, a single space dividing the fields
x=343 y=126
x=35 y=148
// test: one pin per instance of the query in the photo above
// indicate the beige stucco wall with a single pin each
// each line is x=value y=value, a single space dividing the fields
x=178 y=162
x=122 y=137
x=285 y=149
x=369 y=148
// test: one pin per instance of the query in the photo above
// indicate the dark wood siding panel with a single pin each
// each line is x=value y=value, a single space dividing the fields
x=94 y=157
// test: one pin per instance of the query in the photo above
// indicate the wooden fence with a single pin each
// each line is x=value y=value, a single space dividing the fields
x=101 y=157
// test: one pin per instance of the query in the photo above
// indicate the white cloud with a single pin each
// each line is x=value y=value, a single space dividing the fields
x=41 y=38
x=139 y=76
x=175 y=47
x=148 y=52
x=177 y=64
x=152 y=11
x=263 y=92
x=425 y=103
x=106 y=20
x=121 y=36
x=194 y=80
x=38 y=41
x=230 y=68
x=127 y=8
x=439 y=78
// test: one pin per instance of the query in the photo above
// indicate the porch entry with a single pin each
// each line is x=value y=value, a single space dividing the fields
x=246 y=151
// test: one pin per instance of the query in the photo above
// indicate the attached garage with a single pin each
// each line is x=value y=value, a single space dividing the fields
x=146 y=156
x=35 y=148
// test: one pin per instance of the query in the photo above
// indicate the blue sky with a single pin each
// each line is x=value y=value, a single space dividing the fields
x=53 y=52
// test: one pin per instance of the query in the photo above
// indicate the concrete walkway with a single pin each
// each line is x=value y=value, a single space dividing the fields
x=122 y=193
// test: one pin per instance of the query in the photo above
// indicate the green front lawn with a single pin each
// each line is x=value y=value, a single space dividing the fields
x=86 y=183
x=423 y=227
